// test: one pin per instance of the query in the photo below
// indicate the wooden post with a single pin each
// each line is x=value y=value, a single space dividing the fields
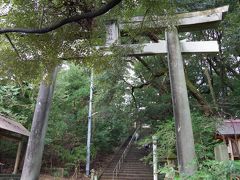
x=181 y=110
x=155 y=161
x=33 y=158
x=238 y=142
x=19 y=150
x=230 y=148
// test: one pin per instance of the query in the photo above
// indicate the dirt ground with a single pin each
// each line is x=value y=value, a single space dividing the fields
x=99 y=164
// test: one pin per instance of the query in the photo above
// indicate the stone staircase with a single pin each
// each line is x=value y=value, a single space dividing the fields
x=110 y=167
x=132 y=168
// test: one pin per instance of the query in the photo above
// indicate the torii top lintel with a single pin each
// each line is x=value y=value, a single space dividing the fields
x=186 y=22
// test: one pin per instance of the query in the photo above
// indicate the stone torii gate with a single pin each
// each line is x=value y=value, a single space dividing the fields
x=174 y=48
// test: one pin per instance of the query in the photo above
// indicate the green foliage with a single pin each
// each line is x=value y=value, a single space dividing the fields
x=208 y=170
x=169 y=170
x=109 y=134
x=215 y=170
x=114 y=115
x=67 y=133
x=33 y=55
x=166 y=139
x=231 y=30
x=17 y=101
x=231 y=102
x=204 y=129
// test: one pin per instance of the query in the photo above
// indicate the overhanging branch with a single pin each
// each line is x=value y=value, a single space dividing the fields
x=136 y=87
x=65 y=21
x=13 y=46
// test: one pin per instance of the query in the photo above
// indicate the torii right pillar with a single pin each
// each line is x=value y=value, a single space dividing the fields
x=183 y=124
x=187 y=22
x=181 y=110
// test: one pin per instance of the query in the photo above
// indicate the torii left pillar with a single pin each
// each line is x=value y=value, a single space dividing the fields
x=33 y=158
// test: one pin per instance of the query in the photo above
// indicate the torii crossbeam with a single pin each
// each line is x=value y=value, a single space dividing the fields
x=174 y=48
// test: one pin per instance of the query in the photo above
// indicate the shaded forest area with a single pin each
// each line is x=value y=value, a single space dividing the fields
x=126 y=90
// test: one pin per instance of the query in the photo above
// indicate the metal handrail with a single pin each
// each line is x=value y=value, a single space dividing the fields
x=124 y=154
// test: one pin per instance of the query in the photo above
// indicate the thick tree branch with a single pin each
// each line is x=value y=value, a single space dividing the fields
x=224 y=80
x=206 y=108
x=193 y=90
x=63 y=22
x=152 y=36
x=13 y=46
x=136 y=87
x=154 y=74
x=143 y=63
x=205 y=70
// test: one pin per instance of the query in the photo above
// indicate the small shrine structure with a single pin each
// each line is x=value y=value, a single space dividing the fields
x=13 y=131
x=229 y=132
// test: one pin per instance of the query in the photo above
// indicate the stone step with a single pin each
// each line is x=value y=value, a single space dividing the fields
x=134 y=166
x=135 y=175
x=136 y=170
x=129 y=176
x=135 y=163
x=131 y=170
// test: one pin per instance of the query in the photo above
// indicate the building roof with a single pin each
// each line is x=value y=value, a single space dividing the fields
x=13 y=126
x=229 y=127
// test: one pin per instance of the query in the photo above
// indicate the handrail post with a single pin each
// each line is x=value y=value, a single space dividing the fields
x=92 y=174
x=155 y=173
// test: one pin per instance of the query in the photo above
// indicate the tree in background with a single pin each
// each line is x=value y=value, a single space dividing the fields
x=67 y=133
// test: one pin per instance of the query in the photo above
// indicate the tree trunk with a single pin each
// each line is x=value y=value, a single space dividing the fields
x=211 y=88
x=200 y=99
x=33 y=158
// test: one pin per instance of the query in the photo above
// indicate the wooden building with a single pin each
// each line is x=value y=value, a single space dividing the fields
x=229 y=132
x=15 y=132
